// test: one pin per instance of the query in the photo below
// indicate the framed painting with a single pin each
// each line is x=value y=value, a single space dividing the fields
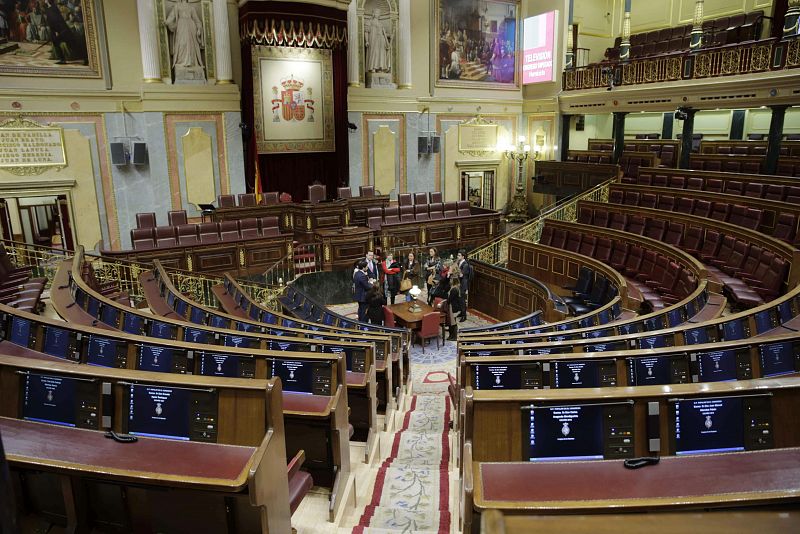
x=58 y=38
x=293 y=99
x=478 y=43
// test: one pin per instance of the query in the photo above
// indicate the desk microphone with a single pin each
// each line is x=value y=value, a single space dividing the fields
x=636 y=463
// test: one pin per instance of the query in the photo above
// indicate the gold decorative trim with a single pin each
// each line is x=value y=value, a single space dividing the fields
x=241 y=257
x=478 y=123
x=153 y=80
x=308 y=223
x=21 y=125
x=300 y=34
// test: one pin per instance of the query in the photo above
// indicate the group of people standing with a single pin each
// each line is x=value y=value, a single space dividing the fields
x=376 y=283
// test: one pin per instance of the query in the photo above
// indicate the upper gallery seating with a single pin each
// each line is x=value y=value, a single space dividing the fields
x=666 y=151
x=716 y=32
x=150 y=237
x=629 y=162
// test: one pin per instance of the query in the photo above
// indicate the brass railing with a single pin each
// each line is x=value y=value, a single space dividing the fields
x=495 y=252
x=198 y=287
x=43 y=261
x=125 y=274
x=746 y=58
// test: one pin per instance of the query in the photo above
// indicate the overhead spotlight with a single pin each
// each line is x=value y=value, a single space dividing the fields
x=681 y=114
x=352 y=126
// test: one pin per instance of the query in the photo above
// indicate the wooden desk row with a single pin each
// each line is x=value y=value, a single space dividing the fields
x=681 y=422
x=570 y=177
x=706 y=362
x=79 y=479
x=243 y=257
x=358 y=369
x=770 y=209
x=305 y=218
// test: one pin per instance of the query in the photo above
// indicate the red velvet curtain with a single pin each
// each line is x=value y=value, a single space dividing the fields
x=294 y=172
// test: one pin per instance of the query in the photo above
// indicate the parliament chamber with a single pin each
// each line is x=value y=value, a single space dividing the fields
x=419 y=266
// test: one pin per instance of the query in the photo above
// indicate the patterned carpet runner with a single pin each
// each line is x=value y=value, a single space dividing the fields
x=411 y=491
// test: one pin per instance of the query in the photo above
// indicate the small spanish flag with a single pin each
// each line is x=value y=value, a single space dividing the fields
x=257 y=187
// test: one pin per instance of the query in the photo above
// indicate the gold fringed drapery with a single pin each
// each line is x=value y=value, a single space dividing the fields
x=288 y=33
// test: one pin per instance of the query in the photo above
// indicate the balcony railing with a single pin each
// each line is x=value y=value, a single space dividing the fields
x=759 y=56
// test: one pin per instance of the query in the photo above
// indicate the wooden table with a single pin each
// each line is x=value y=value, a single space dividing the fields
x=409 y=319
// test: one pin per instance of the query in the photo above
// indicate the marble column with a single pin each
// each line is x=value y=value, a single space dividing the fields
x=697 y=27
x=404 y=51
x=619 y=135
x=148 y=41
x=625 y=44
x=774 y=141
x=353 y=46
x=222 y=43
x=687 y=136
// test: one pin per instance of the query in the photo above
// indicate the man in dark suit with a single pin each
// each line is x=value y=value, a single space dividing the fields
x=361 y=284
x=372 y=266
x=465 y=277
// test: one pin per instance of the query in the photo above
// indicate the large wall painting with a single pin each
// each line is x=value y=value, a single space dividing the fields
x=478 y=43
x=293 y=99
x=49 y=38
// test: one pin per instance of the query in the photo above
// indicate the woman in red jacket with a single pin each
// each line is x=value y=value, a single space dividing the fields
x=391 y=270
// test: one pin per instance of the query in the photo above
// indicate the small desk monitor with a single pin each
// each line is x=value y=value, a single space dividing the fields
x=133 y=324
x=654 y=323
x=600 y=332
x=254 y=312
x=781 y=358
x=606 y=347
x=302 y=376
x=59 y=342
x=181 y=307
x=20 y=332
x=218 y=321
x=658 y=370
x=603 y=316
x=207 y=207
x=720 y=424
x=161 y=359
x=60 y=400
x=696 y=336
x=198 y=315
x=787 y=310
x=196 y=335
x=243 y=326
x=676 y=317
x=228 y=365
x=171 y=412
x=162 y=330
x=654 y=342
x=766 y=320
x=583 y=373
x=504 y=375
x=243 y=342
x=105 y=352
x=734 y=329
x=724 y=365
x=92 y=306
x=577 y=432
x=563 y=349
x=629 y=328
x=110 y=316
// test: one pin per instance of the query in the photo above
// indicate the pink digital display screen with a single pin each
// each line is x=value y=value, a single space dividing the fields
x=538 y=43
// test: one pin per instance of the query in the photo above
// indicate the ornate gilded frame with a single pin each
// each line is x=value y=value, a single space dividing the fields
x=437 y=6
x=93 y=68
x=261 y=58
x=23 y=127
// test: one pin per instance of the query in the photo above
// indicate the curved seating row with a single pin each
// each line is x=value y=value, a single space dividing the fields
x=315 y=408
x=754 y=185
x=377 y=217
x=18 y=287
x=753 y=147
x=629 y=162
x=776 y=259
x=771 y=217
x=747 y=164
x=57 y=466
x=204 y=233
x=666 y=150
x=662 y=277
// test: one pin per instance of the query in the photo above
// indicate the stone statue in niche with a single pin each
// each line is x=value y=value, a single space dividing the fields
x=378 y=47
x=186 y=41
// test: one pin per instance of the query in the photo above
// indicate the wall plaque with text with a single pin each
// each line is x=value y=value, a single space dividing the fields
x=33 y=148
x=477 y=137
